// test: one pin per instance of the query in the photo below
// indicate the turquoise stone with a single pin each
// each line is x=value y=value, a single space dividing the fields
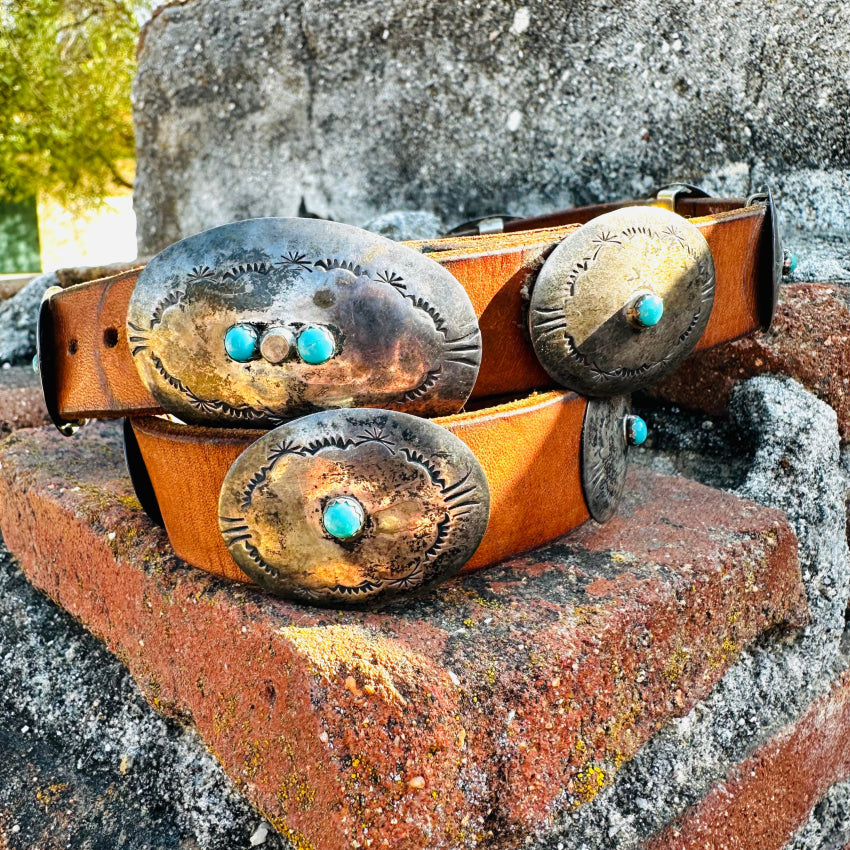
x=791 y=262
x=648 y=310
x=636 y=431
x=343 y=517
x=240 y=343
x=316 y=345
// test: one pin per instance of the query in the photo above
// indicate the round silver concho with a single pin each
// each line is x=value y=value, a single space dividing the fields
x=581 y=319
x=604 y=455
x=223 y=325
x=420 y=505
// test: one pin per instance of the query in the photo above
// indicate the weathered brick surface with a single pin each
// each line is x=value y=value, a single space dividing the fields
x=21 y=402
x=471 y=716
x=11 y=284
x=768 y=797
x=809 y=340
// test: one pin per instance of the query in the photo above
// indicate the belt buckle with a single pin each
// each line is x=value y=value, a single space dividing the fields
x=482 y=225
x=345 y=507
x=622 y=300
x=256 y=322
x=668 y=195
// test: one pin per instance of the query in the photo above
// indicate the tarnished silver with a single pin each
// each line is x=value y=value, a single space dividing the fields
x=579 y=312
x=45 y=366
x=424 y=495
x=670 y=194
x=772 y=257
x=604 y=455
x=277 y=344
x=405 y=330
x=481 y=225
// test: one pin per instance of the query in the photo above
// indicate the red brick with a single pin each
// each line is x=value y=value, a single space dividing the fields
x=769 y=796
x=809 y=340
x=21 y=402
x=11 y=284
x=469 y=716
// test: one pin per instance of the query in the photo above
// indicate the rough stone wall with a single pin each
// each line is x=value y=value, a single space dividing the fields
x=247 y=108
x=86 y=762
x=785 y=453
x=829 y=824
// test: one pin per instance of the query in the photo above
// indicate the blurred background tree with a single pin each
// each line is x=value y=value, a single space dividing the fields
x=66 y=67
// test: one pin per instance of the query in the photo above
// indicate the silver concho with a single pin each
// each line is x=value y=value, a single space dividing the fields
x=404 y=331
x=604 y=455
x=421 y=496
x=580 y=307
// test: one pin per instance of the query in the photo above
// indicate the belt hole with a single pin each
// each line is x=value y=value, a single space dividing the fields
x=110 y=337
x=72 y=347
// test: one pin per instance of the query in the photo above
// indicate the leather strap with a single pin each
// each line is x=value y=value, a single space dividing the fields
x=529 y=450
x=685 y=206
x=96 y=375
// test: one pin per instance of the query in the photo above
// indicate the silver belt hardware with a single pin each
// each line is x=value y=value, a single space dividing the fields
x=346 y=507
x=259 y=321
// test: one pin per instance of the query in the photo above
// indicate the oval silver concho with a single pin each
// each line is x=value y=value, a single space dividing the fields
x=579 y=314
x=421 y=496
x=604 y=455
x=401 y=330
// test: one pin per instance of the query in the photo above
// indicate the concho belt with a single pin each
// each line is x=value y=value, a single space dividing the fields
x=343 y=418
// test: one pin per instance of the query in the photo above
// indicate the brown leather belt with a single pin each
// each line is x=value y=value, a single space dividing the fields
x=351 y=505
x=94 y=373
x=529 y=451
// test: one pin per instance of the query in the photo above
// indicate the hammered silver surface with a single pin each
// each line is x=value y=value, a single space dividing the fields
x=405 y=330
x=425 y=498
x=604 y=455
x=578 y=316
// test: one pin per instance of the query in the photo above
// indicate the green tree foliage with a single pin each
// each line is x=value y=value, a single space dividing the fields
x=66 y=67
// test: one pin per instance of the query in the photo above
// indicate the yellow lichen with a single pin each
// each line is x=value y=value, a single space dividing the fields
x=729 y=648
x=676 y=665
x=343 y=651
x=293 y=787
x=589 y=783
x=725 y=653
x=223 y=716
x=254 y=759
x=49 y=795
x=492 y=604
x=299 y=842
